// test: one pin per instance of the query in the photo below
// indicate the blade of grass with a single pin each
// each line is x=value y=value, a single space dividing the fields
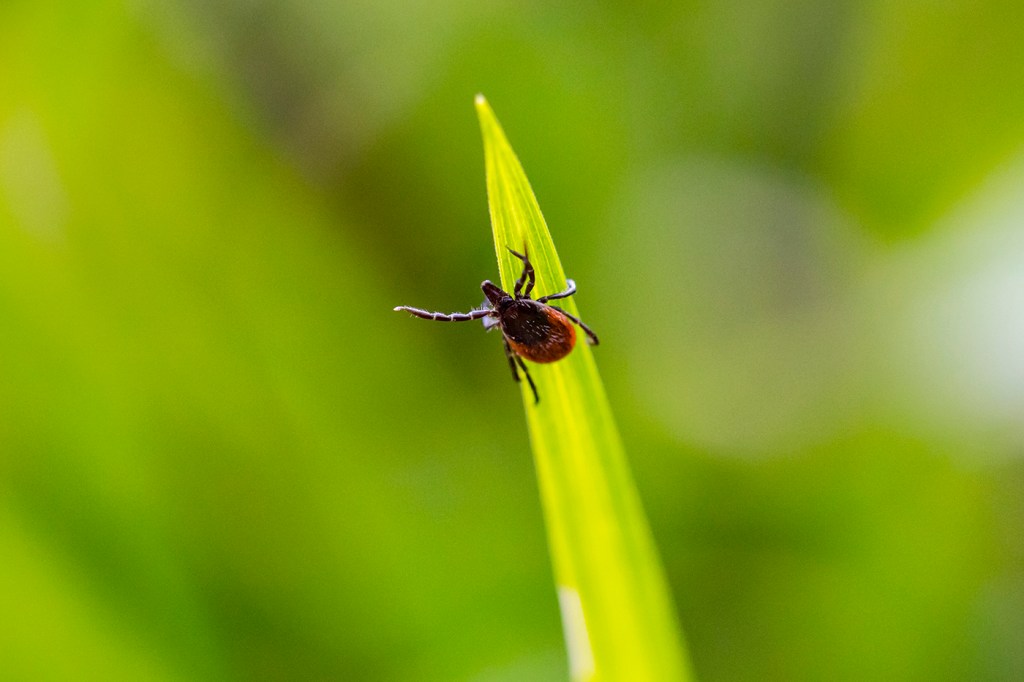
x=617 y=613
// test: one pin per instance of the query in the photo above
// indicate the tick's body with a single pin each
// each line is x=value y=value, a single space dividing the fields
x=530 y=328
x=536 y=331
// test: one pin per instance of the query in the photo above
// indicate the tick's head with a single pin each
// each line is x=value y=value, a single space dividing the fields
x=494 y=293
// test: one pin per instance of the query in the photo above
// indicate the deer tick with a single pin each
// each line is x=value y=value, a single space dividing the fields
x=530 y=328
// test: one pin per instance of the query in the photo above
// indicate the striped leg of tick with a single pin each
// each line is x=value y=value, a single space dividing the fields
x=570 y=289
x=528 y=276
x=445 y=317
x=511 y=359
x=522 y=366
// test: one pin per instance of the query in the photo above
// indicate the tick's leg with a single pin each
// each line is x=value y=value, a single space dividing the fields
x=511 y=359
x=528 y=276
x=591 y=336
x=522 y=366
x=443 y=317
x=569 y=291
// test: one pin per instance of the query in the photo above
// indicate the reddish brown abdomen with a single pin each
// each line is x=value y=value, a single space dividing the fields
x=540 y=334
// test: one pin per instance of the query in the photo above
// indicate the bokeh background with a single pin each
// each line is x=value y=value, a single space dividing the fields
x=797 y=226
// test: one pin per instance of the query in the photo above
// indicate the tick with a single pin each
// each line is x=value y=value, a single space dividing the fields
x=530 y=328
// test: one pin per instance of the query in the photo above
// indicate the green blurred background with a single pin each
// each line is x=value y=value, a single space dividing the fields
x=797 y=226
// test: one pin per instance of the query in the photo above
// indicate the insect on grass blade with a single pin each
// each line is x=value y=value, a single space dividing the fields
x=616 y=609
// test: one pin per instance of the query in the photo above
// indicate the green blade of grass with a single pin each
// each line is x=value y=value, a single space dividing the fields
x=616 y=609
